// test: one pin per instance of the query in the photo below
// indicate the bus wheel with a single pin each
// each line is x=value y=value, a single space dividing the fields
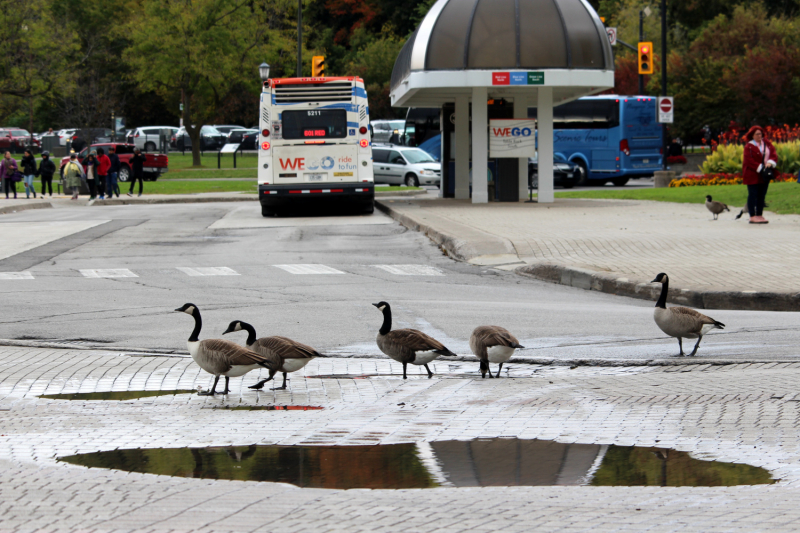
x=369 y=208
x=267 y=211
x=412 y=181
x=584 y=177
x=619 y=182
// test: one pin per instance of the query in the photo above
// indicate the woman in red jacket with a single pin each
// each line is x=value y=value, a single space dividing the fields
x=758 y=154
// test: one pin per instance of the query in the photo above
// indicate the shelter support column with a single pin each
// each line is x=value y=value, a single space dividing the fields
x=462 y=148
x=521 y=111
x=480 y=145
x=545 y=142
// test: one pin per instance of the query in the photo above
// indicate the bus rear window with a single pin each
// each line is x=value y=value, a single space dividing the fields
x=315 y=124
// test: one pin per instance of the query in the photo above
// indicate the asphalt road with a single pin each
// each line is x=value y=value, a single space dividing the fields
x=364 y=260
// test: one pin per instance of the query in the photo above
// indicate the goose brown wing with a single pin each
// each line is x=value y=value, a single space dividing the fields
x=692 y=319
x=495 y=336
x=287 y=348
x=233 y=354
x=414 y=340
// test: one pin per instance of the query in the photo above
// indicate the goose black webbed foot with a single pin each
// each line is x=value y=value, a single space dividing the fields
x=259 y=385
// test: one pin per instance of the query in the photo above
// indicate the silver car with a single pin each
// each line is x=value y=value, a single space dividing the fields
x=147 y=138
x=401 y=165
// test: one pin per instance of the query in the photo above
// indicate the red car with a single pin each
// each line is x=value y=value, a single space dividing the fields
x=21 y=138
x=154 y=165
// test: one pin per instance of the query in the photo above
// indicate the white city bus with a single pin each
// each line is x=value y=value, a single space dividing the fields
x=314 y=144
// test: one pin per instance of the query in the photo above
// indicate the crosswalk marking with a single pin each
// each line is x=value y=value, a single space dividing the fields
x=411 y=270
x=16 y=275
x=108 y=273
x=309 y=269
x=208 y=271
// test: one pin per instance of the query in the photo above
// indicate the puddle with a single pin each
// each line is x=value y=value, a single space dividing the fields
x=116 y=395
x=267 y=408
x=477 y=463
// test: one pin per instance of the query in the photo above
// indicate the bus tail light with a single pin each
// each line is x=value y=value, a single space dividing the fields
x=265 y=132
x=265 y=145
x=362 y=130
x=364 y=143
x=624 y=148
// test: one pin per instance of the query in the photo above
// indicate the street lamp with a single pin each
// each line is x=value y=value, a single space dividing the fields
x=263 y=71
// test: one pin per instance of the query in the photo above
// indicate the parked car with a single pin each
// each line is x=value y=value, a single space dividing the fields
x=154 y=166
x=210 y=139
x=20 y=139
x=398 y=165
x=237 y=136
x=66 y=135
x=250 y=140
x=148 y=138
x=565 y=173
x=226 y=129
x=388 y=131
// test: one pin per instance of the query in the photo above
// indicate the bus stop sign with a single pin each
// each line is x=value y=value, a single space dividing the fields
x=666 y=108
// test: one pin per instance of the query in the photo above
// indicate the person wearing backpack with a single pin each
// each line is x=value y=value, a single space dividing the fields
x=46 y=170
x=103 y=165
x=29 y=172
x=73 y=175
x=8 y=167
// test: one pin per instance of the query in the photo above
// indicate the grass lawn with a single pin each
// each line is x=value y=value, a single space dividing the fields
x=782 y=198
x=192 y=187
x=192 y=174
x=178 y=161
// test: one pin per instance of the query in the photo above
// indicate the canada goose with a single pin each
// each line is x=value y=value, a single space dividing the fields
x=407 y=345
x=220 y=357
x=715 y=207
x=493 y=344
x=285 y=354
x=681 y=322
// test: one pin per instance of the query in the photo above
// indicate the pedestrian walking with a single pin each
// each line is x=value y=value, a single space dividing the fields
x=137 y=169
x=103 y=164
x=758 y=168
x=90 y=168
x=113 y=173
x=73 y=175
x=46 y=170
x=8 y=167
x=28 y=173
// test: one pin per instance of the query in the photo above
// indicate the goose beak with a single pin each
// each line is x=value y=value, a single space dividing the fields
x=179 y=310
x=655 y=281
x=377 y=305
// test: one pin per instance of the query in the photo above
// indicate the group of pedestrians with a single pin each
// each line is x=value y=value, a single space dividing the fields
x=101 y=172
x=12 y=172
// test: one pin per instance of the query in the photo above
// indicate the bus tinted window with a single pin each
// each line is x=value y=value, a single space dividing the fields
x=584 y=114
x=315 y=124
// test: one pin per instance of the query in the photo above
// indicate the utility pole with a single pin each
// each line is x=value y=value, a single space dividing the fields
x=664 y=78
x=641 y=38
x=299 y=38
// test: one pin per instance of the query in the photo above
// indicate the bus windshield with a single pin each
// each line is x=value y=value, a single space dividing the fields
x=418 y=156
x=315 y=123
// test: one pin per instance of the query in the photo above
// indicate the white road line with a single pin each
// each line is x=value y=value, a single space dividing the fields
x=16 y=275
x=208 y=271
x=411 y=270
x=108 y=273
x=309 y=269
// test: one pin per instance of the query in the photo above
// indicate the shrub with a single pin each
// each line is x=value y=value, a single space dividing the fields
x=722 y=179
x=727 y=158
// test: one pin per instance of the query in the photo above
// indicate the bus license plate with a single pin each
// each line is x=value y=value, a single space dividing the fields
x=645 y=160
x=315 y=177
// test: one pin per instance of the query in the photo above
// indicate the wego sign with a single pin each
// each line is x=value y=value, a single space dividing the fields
x=512 y=138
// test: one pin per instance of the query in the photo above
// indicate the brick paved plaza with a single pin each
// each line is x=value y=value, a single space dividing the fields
x=744 y=413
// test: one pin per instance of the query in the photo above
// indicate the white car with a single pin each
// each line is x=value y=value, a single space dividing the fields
x=66 y=135
x=401 y=165
x=147 y=138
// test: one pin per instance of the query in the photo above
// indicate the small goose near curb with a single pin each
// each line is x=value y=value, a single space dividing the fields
x=220 y=357
x=681 y=322
x=493 y=344
x=407 y=345
x=287 y=355
x=715 y=207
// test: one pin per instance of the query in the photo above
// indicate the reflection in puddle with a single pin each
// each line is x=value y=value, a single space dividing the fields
x=267 y=408
x=116 y=395
x=477 y=463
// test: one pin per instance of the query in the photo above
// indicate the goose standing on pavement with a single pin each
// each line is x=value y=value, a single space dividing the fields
x=220 y=357
x=715 y=207
x=493 y=344
x=285 y=354
x=407 y=345
x=681 y=322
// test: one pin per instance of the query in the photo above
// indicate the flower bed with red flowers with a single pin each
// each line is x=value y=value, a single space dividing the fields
x=676 y=160
x=721 y=179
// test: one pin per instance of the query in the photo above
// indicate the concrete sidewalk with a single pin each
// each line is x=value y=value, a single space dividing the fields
x=618 y=246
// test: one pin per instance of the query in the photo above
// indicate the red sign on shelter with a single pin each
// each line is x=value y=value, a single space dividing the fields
x=500 y=78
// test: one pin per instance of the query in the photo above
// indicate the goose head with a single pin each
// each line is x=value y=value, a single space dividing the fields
x=236 y=325
x=708 y=197
x=189 y=309
x=383 y=306
x=661 y=278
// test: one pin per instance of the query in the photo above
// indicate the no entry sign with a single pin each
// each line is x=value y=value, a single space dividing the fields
x=666 y=109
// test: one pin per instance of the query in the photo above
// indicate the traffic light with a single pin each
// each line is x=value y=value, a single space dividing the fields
x=645 y=58
x=318 y=67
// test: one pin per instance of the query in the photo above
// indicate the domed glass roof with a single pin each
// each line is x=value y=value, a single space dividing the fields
x=505 y=35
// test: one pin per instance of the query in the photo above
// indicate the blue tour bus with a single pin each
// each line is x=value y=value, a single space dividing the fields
x=611 y=138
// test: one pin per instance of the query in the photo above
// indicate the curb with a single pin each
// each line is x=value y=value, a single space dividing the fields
x=401 y=193
x=154 y=201
x=24 y=207
x=609 y=284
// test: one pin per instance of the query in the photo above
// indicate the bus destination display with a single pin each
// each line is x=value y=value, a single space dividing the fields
x=315 y=124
